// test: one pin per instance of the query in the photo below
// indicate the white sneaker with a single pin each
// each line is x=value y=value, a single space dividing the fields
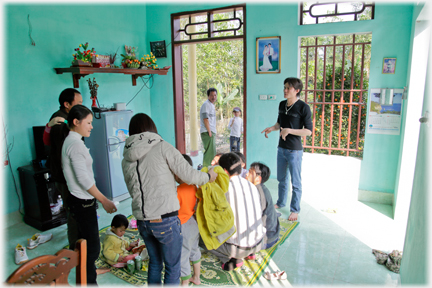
x=37 y=239
x=20 y=255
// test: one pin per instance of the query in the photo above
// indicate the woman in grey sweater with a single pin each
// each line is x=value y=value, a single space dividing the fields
x=149 y=166
x=77 y=169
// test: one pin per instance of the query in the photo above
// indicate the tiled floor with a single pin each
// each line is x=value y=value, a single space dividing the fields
x=325 y=249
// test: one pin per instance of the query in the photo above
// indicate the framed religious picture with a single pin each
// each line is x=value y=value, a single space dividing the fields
x=389 y=66
x=158 y=49
x=268 y=54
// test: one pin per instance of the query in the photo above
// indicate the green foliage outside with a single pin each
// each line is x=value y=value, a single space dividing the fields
x=323 y=116
x=219 y=65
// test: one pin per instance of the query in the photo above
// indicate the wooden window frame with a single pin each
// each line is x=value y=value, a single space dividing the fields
x=179 y=119
x=317 y=17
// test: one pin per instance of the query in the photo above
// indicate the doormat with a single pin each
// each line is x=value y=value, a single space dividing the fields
x=211 y=270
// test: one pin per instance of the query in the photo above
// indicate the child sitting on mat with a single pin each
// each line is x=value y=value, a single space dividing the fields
x=116 y=249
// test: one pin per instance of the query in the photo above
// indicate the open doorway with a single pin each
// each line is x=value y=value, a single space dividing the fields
x=209 y=52
x=226 y=76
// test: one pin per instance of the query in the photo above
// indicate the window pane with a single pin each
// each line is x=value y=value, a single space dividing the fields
x=350 y=7
x=321 y=10
x=366 y=15
x=316 y=13
x=344 y=39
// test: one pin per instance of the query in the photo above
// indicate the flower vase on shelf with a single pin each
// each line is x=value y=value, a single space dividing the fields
x=94 y=102
x=80 y=63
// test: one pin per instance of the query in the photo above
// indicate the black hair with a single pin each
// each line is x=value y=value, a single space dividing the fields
x=78 y=112
x=188 y=159
x=67 y=95
x=294 y=82
x=211 y=90
x=265 y=171
x=228 y=162
x=141 y=123
x=119 y=220
x=242 y=157
x=269 y=44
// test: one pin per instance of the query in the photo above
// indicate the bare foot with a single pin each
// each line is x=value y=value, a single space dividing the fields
x=195 y=280
x=293 y=216
x=276 y=206
x=100 y=271
x=185 y=282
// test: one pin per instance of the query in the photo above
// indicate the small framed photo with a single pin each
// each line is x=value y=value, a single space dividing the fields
x=389 y=66
x=268 y=58
x=158 y=49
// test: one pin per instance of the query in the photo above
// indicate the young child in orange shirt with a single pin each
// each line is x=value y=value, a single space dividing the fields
x=190 y=250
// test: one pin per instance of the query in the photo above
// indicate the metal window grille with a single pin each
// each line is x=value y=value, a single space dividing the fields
x=323 y=12
x=209 y=28
x=335 y=76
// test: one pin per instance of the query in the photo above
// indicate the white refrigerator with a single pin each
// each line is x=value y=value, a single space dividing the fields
x=106 y=143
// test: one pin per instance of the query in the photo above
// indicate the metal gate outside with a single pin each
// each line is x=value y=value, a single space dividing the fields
x=335 y=73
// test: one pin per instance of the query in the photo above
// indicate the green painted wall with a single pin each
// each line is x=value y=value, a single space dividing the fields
x=162 y=97
x=414 y=267
x=57 y=29
x=389 y=39
x=32 y=86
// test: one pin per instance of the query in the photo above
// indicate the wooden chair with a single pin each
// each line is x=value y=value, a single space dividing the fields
x=54 y=269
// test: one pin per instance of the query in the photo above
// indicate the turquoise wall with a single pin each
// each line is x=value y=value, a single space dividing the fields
x=415 y=267
x=32 y=86
x=162 y=97
x=58 y=29
x=389 y=39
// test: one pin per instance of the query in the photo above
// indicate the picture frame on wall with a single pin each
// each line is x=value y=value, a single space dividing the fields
x=389 y=66
x=268 y=55
x=158 y=48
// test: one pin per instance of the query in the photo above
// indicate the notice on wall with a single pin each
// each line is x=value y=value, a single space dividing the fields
x=385 y=111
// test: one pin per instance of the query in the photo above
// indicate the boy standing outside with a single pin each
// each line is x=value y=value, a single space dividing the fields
x=115 y=247
x=190 y=250
x=293 y=122
x=236 y=127
x=259 y=174
x=208 y=126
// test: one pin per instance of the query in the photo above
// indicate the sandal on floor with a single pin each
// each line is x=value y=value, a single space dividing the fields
x=278 y=275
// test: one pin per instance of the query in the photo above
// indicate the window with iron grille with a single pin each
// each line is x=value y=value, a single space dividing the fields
x=227 y=23
x=315 y=12
x=335 y=73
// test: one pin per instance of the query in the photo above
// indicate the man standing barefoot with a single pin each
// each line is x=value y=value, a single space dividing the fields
x=293 y=122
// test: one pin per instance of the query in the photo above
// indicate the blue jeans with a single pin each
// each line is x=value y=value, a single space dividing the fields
x=289 y=160
x=164 y=245
x=234 y=143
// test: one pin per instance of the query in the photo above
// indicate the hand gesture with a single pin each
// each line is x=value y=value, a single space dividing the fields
x=213 y=175
x=55 y=121
x=109 y=206
x=134 y=244
x=121 y=258
x=232 y=121
x=210 y=134
x=284 y=132
x=267 y=131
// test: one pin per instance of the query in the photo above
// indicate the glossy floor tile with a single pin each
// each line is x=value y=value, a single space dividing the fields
x=326 y=249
